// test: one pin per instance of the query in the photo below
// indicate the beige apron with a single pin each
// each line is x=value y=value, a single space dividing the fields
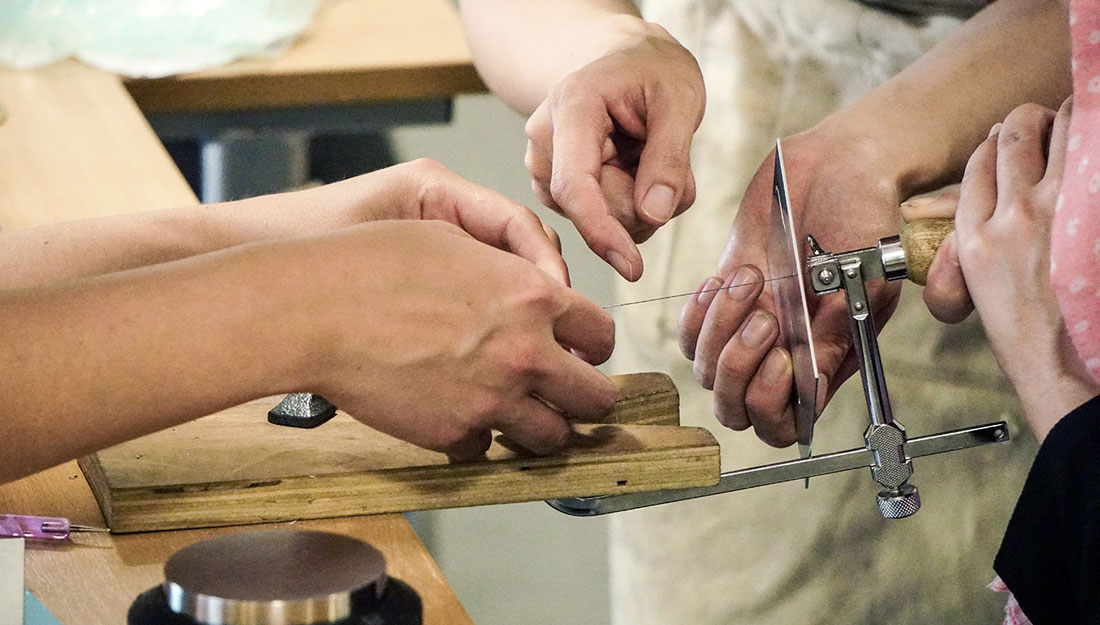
x=781 y=554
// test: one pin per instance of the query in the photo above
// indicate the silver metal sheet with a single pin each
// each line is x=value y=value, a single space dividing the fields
x=786 y=267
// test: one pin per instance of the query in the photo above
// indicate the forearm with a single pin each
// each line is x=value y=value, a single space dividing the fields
x=927 y=120
x=523 y=49
x=69 y=250
x=95 y=362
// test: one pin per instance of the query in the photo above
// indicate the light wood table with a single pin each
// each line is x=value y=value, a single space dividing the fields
x=75 y=145
x=362 y=68
x=355 y=51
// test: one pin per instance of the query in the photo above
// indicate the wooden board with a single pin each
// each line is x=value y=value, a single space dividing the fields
x=235 y=468
x=355 y=51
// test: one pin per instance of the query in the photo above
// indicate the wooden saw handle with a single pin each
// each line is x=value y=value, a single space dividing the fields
x=920 y=239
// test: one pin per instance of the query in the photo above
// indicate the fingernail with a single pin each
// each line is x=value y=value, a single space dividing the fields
x=920 y=201
x=777 y=367
x=707 y=291
x=621 y=264
x=738 y=288
x=758 y=330
x=658 y=203
x=995 y=129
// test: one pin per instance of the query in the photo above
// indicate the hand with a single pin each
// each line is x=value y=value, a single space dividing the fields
x=944 y=291
x=435 y=338
x=1001 y=256
x=424 y=189
x=609 y=148
x=840 y=196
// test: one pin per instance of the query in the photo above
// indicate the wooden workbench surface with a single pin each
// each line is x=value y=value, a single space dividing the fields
x=355 y=51
x=93 y=579
x=75 y=145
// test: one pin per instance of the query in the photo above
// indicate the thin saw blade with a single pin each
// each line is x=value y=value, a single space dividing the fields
x=785 y=272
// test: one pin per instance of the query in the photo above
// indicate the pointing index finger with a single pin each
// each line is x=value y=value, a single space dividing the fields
x=581 y=127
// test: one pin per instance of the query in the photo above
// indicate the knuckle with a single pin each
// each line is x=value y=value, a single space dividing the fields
x=542 y=193
x=432 y=193
x=532 y=162
x=453 y=439
x=428 y=165
x=539 y=293
x=558 y=439
x=606 y=397
x=482 y=408
x=730 y=367
x=523 y=362
x=1032 y=112
x=676 y=159
x=534 y=128
x=562 y=188
x=1027 y=122
x=975 y=251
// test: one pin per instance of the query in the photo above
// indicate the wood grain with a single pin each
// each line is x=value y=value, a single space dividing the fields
x=355 y=51
x=920 y=239
x=647 y=398
x=235 y=468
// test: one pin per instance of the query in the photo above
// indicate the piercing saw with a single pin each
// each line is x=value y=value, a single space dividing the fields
x=888 y=452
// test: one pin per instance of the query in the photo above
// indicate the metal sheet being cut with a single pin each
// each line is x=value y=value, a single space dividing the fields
x=786 y=268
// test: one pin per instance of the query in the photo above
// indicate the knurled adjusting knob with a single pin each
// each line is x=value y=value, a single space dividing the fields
x=898 y=503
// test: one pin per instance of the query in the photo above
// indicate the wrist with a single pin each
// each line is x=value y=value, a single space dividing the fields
x=1052 y=387
x=912 y=160
x=280 y=310
x=631 y=30
x=1046 y=404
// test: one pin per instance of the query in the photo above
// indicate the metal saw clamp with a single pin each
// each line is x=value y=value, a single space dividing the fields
x=885 y=437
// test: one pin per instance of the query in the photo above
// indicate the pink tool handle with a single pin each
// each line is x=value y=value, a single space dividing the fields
x=35 y=527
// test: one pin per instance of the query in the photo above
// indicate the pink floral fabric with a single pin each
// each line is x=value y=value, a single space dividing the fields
x=1075 y=237
x=1013 y=614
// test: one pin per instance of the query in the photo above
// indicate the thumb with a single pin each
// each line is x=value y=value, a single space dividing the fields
x=945 y=293
x=664 y=183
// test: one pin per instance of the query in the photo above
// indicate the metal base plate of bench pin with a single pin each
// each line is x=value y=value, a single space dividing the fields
x=786 y=269
x=302 y=410
x=801 y=469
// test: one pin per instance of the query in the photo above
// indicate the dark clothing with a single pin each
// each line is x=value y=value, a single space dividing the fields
x=1050 y=556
